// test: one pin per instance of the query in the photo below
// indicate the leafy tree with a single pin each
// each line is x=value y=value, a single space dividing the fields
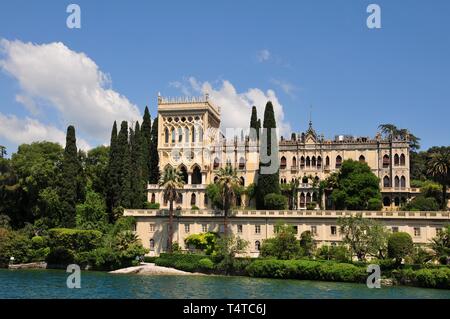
x=96 y=169
x=204 y=241
x=307 y=242
x=356 y=185
x=72 y=185
x=441 y=245
x=3 y=152
x=338 y=253
x=228 y=182
x=421 y=203
x=363 y=236
x=268 y=183
x=138 y=176
x=171 y=181
x=393 y=132
x=400 y=245
x=92 y=213
x=227 y=247
x=284 y=246
x=154 y=157
x=439 y=168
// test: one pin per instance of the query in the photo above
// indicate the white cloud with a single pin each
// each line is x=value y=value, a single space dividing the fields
x=30 y=130
x=236 y=107
x=263 y=55
x=70 y=83
x=286 y=86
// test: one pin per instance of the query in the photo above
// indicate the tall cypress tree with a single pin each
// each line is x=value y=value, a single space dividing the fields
x=146 y=130
x=137 y=178
x=124 y=162
x=113 y=185
x=71 y=179
x=154 y=157
x=254 y=124
x=268 y=183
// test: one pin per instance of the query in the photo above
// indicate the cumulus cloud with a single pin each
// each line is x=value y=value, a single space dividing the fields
x=29 y=130
x=263 y=55
x=236 y=107
x=68 y=82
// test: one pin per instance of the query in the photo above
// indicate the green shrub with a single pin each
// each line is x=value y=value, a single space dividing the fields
x=422 y=203
x=275 y=201
x=74 y=239
x=150 y=259
x=400 y=245
x=194 y=207
x=205 y=264
x=186 y=262
x=307 y=270
x=429 y=278
x=148 y=205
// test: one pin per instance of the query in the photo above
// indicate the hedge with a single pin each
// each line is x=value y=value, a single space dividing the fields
x=429 y=278
x=186 y=262
x=74 y=239
x=307 y=270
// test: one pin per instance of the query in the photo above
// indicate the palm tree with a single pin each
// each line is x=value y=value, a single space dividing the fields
x=439 y=169
x=171 y=181
x=228 y=182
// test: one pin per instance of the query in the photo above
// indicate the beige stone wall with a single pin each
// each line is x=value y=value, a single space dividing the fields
x=259 y=225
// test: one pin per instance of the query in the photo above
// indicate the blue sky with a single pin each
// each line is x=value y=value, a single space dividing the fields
x=300 y=53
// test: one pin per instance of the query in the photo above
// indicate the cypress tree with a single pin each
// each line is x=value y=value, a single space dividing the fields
x=70 y=182
x=146 y=130
x=268 y=183
x=254 y=124
x=154 y=157
x=137 y=178
x=113 y=185
x=124 y=162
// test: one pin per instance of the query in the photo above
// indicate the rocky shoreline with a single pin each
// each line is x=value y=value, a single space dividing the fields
x=152 y=269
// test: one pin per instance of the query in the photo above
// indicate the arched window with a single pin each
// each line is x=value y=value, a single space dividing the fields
x=216 y=163
x=152 y=244
x=402 y=160
x=242 y=181
x=294 y=162
x=173 y=135
x=242 y=163
x=386 y=201
x=302 y=162
x=403 y=182
x=308 y=198
x=362 y=159
x=216 y=179
x=319 y=162
x=397 y=201
x=166 y=135
x=257 y=245
x=308 y=161
x=180 y=135
x=196 y=175
x=184 y=174
x=302 y=200
x=179 y=199
x=153 y=198
x=193 y=199
x=313 y=161
x=396 y=182
x=386 y=181
x=193 y=134
x=386 y=161
x=283 y=162
x=316 y=180
x=338 y=161
x=327 y=161
x=305 y=180
x=396 y=160
x=186 y=135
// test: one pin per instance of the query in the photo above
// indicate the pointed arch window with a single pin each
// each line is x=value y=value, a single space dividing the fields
x=386 y=160
x=338 y=161
x=283 y=163
x=386 y=181
x=402 y=160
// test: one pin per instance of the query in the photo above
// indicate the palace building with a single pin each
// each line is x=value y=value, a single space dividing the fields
x=189 y=138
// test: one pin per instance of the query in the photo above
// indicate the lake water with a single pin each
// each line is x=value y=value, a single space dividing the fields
x=52 y=284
